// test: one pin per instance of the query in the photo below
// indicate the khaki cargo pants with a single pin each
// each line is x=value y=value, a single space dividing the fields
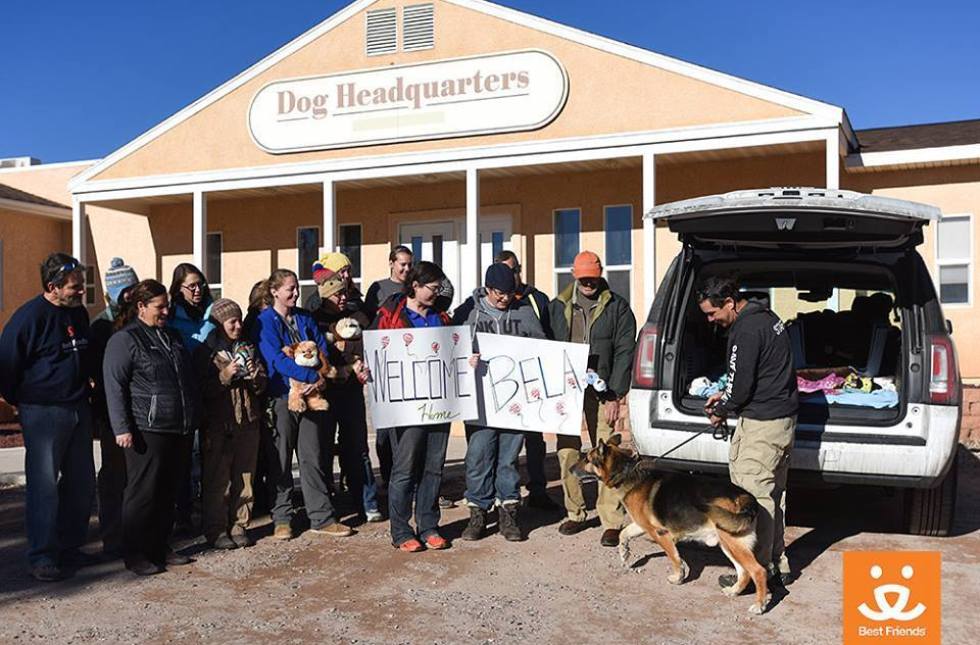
x=229 y=466
x=759 y=458
x=609 y=505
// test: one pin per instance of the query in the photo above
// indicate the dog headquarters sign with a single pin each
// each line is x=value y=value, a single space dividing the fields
x=419 y=376
x=505 y=92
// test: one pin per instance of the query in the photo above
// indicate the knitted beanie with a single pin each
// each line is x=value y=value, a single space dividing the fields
x=500 y=277
x=329 y=265
x=586 y=265
x=225 y=309
x=118 y=276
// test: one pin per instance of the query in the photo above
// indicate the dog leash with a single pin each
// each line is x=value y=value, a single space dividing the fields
x=720 y=433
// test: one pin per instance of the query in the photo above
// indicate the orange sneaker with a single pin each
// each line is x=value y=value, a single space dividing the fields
x=411 y=545
x=436 y=541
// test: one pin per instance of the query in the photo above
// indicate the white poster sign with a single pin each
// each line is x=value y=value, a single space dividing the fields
x=505 y=92
x=420 y=376
x=531 y=384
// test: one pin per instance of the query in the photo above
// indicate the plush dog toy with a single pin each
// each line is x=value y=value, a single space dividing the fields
x=305 y=354
x=341 y=333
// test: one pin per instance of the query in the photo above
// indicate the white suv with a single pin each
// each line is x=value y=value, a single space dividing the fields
x=842 y=270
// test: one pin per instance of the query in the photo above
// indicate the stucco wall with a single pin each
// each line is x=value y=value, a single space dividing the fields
x=27 y=240
x=608 y=94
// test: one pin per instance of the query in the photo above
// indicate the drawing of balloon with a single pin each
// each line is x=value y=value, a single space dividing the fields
x=535 y=393
x=455 y=339
x=384 y=342
x=435 y=348
x=515 y=408
x=560 y=408
x=408 y=338
x=572 y=381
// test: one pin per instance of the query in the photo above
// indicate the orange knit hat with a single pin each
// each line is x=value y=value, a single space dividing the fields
x=586 y=265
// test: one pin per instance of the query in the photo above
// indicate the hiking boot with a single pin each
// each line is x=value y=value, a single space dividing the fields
x=334 y=529
x=542 y=502
x=223 y=542
x=374 y=516
x=283 y=532
x=571 y=527
x=610 y=537
x=143 y=567
x=507 y=522
x=477 y=526
x=47 y=572
x=241 y=538
x=175 y=559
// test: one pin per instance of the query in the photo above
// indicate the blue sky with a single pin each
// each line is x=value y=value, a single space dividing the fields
x=80 y=79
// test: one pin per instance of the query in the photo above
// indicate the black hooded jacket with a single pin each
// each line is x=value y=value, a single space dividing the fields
x=761 y=378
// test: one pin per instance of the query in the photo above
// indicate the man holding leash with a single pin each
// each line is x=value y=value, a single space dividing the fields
x=762 y=391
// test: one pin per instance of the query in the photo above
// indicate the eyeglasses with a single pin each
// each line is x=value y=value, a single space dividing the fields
x=197 y=286
x=436 y=290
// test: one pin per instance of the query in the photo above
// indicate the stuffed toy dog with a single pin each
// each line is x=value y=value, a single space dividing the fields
x=306 y=354
x=343 y=334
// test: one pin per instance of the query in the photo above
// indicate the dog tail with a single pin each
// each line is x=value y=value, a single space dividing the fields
x=735 y=515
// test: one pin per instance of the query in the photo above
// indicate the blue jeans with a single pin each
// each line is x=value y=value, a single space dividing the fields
x=57 y=441
x=418 y=455
x=491 y=466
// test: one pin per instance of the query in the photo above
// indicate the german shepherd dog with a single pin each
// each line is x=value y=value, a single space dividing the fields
x=673 y=507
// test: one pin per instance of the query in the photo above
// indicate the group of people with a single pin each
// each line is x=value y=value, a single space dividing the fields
x=163 y=375
x=185 y=390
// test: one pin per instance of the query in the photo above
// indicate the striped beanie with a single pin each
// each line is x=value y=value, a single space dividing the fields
x=225 y=309
x=329 y=265
x=118 y=277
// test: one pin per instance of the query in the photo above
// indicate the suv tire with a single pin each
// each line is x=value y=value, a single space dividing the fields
x=930 y=511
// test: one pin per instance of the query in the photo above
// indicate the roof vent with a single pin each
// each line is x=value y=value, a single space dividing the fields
x=418 y=27
x=382 y=31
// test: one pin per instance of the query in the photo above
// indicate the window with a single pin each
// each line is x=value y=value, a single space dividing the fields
x=350 y=245
x=954 y=259
x=568 y=224
x=619 y=249
x=212 y=263
x=496 y=242
x=307 y=252
x=89 y=286
x=382 y=31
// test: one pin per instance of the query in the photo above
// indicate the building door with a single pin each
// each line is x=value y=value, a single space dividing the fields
x=495 y=236
x=435 y=242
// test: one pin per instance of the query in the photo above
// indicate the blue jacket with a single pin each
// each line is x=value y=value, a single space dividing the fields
x=271 y=336
x=193 y=332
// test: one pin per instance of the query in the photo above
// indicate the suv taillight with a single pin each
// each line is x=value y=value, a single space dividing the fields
x=944 y=377
x=645 y=364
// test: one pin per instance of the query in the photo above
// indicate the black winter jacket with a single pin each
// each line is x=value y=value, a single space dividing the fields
x=761 y=378
x=150 y=383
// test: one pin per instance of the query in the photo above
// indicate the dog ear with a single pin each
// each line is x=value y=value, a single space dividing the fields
x=616 y=439
x=289 y=350
x=601 y=447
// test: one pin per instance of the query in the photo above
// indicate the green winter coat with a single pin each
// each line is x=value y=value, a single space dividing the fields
x=612 y=336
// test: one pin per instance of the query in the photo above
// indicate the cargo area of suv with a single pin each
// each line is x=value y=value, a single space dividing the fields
x=874 y=357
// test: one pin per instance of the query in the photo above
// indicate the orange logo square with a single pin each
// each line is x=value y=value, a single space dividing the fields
x=892 y=597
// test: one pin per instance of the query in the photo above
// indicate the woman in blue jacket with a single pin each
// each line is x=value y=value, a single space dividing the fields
x=277 y=327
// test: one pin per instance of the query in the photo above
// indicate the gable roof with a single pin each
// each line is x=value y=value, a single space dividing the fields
x=30 y=203
x=923 y=135
x=727 y=81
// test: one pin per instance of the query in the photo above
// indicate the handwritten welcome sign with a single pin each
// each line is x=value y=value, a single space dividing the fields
x=420 y=376
x=531 y=384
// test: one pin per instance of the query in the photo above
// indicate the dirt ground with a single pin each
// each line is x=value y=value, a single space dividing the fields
x=548 y=589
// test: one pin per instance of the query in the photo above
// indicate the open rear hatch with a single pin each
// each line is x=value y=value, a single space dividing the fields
x=797 y=218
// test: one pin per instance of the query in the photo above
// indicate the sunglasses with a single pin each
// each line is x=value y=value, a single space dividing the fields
x=436 y=290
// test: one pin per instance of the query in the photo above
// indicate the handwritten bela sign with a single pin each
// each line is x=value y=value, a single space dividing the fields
x=420 y=376
x=531 y=384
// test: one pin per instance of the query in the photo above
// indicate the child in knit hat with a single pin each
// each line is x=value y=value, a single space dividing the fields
x=233 y=380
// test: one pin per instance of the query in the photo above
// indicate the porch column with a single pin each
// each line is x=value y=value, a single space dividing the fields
x=833 y=161
x=470 y=266
x=200 y=249
x=649 y=232
x=79 y=221
x=329 y=216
